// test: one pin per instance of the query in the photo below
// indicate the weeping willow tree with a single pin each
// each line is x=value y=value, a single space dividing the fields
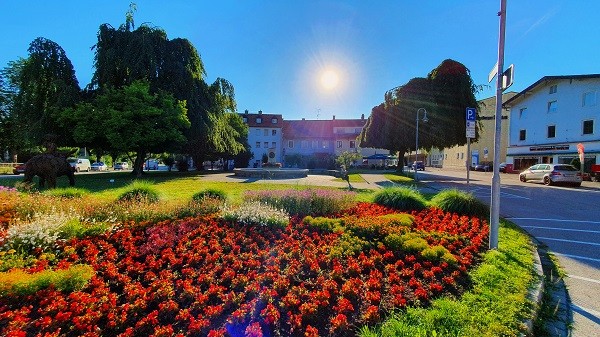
x=126 y=54
x=446 y=93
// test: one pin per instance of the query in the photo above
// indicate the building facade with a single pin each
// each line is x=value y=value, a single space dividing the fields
x=550 y=118
x=265 y=136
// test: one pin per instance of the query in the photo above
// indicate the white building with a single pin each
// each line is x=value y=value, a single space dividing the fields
x=551 y=117
x=264 y=136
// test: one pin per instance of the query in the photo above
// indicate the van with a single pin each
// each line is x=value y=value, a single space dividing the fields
x=80 y=164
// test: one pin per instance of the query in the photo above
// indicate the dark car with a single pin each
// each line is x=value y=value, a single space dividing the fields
x=19 y=169
x=502 y=167
x=418 y=165
x=482 y=167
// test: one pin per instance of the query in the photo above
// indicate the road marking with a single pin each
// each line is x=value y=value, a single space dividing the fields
x=506 y=194
x=577 y=257
x=557 y=220
x=570 y=241
x=562 y=229
x=583 y=278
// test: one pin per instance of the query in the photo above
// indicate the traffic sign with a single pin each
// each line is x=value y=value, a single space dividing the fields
x=471 y=114
x=470 y=127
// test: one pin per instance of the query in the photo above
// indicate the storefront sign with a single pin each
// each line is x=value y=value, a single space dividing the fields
x=549 y=147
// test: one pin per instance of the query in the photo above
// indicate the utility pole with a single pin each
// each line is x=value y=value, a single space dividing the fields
x=495 y=202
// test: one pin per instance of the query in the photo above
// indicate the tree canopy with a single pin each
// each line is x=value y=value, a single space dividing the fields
x=445 y=94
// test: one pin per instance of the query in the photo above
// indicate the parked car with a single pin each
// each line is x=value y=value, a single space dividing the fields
x=121 y=166
x=80 y=164
x=551 y=174
x=502 y=167
x=19 y=169
x=418 y=165
x=151 y=164
x=99 y=166
x=483 y=167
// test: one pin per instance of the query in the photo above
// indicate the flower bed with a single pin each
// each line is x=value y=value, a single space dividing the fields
x=209 y=277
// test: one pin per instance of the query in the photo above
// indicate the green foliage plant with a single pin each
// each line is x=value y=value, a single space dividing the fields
x=18 y=282
x=463 y=203
x=324 y=224
x=210 y=193
x=75 y=228
x=140 y=191
x=400 y=198
x=67 y=192
x=438 y=253
x=350 y=245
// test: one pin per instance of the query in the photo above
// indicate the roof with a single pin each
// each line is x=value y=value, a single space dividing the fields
x=267 y=120
x=295 y=129
x=543 y=81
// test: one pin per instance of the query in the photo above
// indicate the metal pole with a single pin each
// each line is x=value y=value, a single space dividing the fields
x=417 y=146
x=495 y=202
x=468 y=159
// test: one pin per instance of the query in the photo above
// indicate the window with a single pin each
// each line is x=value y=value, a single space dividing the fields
x=273 y=132
x=273 y=145
x=325 y=144
x=522 y=134
x=462 y=155
x=258 y=120
x=588 y=127
x=258 y=145
x=315 y=144
x=553 y=89
x=551 y=131
x=258 y=132
x=339 y=144
x=552 y=106
x=274 y=120
x=245 y=119
x=305 y=144
x=457 y=155
x=352 y=144
x=522 y=112
x=266 y=145
x=588 y=99
x=291 y=144
x=445 y=156
x=265 y=132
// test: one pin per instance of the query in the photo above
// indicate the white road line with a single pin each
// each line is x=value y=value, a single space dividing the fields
x=583 y=278
x=589 y=311
x=562 y=229
x=577 y=257
x=570 y=241
x=557 y=220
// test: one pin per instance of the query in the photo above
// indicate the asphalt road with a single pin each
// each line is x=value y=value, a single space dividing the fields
x=566 y=219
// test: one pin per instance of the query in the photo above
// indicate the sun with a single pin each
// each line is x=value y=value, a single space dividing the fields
x=329 y=79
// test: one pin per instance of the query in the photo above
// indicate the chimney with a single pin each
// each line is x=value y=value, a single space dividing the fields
x=246 y=111
x=260 y=112
x=303 y=118
x=362 y=116
x=333 y=117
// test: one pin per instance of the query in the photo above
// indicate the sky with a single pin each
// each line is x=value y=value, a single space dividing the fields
x=316 y=59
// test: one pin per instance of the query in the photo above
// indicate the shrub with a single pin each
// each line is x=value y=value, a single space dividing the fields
x=415 y=245
x=398 y=219
x=324 y=224
x=256 y=213
x=349 y=245
x=455 y=201
x=18 y=282
x=437 y=253
x=140 y=191
x=75 y=228
x=305 y=202
x=67 y=193
x=409 y=242
x=401 y=198
x=210 y=193
x=199 y=207
x=41 y=231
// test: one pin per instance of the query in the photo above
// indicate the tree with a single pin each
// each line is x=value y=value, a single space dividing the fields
x=346 y=158
x=445 y=94
x=46 y=85
x=132 y=119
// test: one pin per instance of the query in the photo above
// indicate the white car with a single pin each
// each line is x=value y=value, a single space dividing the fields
x=121 y=166
x=99 y=166
x=551 y=174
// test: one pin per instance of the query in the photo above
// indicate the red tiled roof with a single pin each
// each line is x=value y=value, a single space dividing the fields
x=319 y=128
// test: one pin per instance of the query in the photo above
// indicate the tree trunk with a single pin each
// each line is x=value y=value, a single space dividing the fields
x=138 y=165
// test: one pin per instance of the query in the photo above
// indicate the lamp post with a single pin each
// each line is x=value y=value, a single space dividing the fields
x=417 y=138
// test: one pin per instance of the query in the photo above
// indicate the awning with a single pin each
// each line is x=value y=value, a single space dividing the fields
x=380 y=156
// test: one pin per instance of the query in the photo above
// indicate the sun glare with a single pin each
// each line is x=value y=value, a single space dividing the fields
x=329 y=79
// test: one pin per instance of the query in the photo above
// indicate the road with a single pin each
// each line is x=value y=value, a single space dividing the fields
x=566 y=219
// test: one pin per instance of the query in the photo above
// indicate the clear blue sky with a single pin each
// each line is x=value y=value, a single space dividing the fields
x=275 y=52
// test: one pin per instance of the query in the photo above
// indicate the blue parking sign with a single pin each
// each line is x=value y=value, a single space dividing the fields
x=471 y=113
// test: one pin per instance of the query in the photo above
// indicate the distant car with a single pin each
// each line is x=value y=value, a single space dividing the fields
x=99 y=166
x=418 y=165
x=502 y=167
x=482 y=167
x=19 y=169
x=551 y=174
x=151 y=164
x=121 y=166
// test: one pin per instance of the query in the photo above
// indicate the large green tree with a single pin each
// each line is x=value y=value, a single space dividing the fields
x=444 y=94
x=131 y=119
x=124 y=55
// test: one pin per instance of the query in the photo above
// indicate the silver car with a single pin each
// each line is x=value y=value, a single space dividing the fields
x=551 y=174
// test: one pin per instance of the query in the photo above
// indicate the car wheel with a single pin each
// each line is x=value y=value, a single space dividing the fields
x=547 y=181
x=522 y=178
x=77 y=169
x=577 y=184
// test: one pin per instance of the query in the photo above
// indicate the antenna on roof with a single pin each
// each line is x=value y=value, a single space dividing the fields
x=318 y=112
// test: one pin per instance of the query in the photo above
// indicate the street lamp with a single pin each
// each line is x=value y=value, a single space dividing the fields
x=417 y=139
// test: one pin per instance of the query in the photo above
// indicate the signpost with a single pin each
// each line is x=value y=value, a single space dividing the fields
x=471 y=117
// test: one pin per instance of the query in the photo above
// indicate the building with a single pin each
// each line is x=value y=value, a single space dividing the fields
x=551 y=117
x=482 y=151
x=264 y=136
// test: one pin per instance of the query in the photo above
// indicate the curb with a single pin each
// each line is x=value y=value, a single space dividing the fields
x=537 y=293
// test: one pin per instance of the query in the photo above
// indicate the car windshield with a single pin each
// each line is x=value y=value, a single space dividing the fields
x=565 y=168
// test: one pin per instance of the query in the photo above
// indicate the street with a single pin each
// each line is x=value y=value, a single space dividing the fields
x=566 y=219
